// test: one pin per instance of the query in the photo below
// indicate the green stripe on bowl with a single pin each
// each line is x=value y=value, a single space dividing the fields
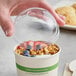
x=36 y=70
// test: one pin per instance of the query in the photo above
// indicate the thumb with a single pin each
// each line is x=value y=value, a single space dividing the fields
x=6 y=22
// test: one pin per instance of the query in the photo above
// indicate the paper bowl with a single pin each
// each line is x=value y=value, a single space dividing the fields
x=45 y=65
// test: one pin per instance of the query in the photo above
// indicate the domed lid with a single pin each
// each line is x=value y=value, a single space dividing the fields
x=36 y=24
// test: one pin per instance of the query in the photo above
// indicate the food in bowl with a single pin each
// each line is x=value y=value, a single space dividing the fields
x=34 y=48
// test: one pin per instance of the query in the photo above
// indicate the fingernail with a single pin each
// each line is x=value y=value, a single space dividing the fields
x=8 y=33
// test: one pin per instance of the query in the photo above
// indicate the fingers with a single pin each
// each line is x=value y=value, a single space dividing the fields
x=62 y=17
x=41 y=4
x=6 y=23
x=45 y=5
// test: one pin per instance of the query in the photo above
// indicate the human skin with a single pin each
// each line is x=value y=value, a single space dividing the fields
x=10 y=8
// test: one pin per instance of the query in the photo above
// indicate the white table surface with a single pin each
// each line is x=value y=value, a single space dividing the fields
x=67 y=42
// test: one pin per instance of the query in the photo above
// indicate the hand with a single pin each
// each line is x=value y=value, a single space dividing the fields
x=14 y=7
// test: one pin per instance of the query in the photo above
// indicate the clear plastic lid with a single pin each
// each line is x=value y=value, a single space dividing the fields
x=36 y=24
